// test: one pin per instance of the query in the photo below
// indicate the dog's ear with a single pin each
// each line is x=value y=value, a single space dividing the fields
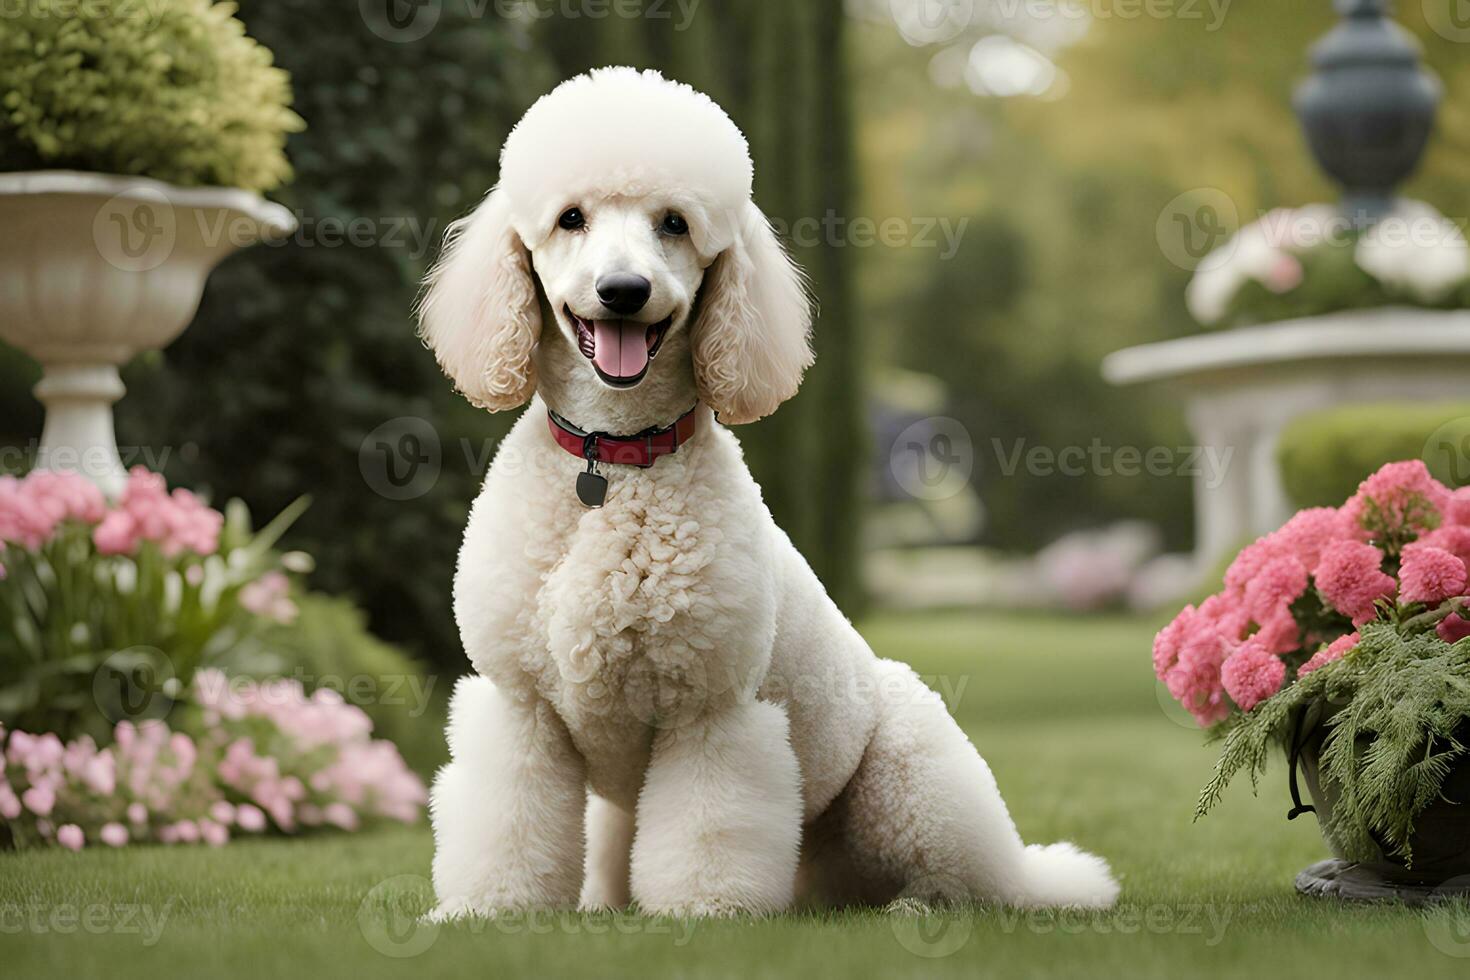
x=750 y=337
x=479 y=311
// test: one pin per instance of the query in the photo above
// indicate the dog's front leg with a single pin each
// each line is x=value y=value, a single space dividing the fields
x=719 y=818
x=507 y=809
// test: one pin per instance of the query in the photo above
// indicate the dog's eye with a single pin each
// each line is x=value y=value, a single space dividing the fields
x=571 y=219
x=674 y=224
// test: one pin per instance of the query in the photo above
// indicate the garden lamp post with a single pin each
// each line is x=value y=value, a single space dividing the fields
x=1367 y=107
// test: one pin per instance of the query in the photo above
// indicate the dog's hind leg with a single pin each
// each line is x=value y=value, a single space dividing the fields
x=507 y=809
x=605 y=882
x=923 y=819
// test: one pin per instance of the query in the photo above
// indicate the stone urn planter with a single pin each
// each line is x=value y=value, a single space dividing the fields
x=95 y=269
x=1440 y=842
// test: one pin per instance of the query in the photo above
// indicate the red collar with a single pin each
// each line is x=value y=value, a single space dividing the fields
x=641 y=450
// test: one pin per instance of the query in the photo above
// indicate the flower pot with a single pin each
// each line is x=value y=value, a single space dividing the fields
x=1440 y=842
x=95 y=269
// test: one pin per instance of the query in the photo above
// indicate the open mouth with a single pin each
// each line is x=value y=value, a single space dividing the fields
x=620 y=350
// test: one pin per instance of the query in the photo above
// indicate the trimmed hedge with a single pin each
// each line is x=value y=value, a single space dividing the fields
x=1324 y=456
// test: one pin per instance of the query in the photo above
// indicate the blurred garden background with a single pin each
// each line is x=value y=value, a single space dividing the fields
x=982 y=193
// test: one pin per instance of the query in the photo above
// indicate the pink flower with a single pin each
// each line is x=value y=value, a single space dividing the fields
x=39 y=799
x=10 y=806
x=1351 y=578
x=116 y=535
x=1309 y=533
x=1252 y=674
x=1278 y=584
x=1333 y=651
x=1458 y=511
x=1454 y=538
x=137 y=814
x=114 y=834
x=177 y=522
x=270 y=596
x=1194 y=680
x=1279 y=632
x=1400 y=495
x=1453 y=629
x=1430 y=574
x=1251 y=559
x=249 y=818
x=70 y=836
x=213 y=834
x=341 y=815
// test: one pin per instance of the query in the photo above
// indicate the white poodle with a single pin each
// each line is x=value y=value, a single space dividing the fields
x=669 y=708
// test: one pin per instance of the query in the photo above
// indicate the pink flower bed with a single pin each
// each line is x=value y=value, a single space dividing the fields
x=256 y=757
x=1293 y=600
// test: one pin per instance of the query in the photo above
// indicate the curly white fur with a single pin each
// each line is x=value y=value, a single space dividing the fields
x=665 y=674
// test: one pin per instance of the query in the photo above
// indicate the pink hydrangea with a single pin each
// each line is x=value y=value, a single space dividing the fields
x=1277 y=584
x=1251 y=674
x=1400 y=491
x=1252 y=558
x=1458 y=510
x=1351 y=578
x=1430 y=574
x=70 y=836
x=1310 y=531
x=1333 y=651
x=1454 y=538
x=114 y=834
x=1194 y=679
x=1452 y=628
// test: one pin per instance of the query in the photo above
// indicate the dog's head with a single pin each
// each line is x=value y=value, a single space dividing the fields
x=624 y=213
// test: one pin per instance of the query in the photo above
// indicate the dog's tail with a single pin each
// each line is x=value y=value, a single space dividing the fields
x=1061 y=875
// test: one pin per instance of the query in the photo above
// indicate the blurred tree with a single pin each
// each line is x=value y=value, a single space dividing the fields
x=780 y=71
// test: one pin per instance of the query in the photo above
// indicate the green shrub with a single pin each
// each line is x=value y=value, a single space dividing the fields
x=1324 y=456
x=170 y=89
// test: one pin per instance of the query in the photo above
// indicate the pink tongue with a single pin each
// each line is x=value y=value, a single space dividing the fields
x=621 y=347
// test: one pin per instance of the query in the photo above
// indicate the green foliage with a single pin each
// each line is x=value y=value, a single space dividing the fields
x=1325 y=455
x=1404 y=698
x=170 y=89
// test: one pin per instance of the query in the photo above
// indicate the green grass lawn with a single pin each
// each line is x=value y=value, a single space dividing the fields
x=1066 y=712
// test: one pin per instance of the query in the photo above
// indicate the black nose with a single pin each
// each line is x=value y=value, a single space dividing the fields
x=623 y=292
